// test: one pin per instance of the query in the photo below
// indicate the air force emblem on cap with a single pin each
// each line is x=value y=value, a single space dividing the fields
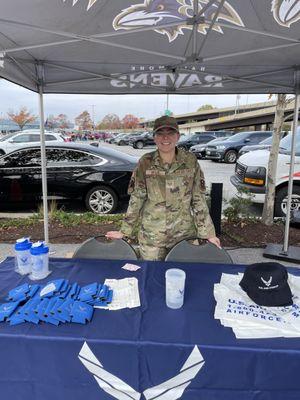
x=267 y=283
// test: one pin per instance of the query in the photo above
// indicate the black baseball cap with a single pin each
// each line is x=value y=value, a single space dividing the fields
x=267 y=284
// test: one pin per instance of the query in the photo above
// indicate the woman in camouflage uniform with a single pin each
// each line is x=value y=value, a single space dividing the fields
x=167 y=202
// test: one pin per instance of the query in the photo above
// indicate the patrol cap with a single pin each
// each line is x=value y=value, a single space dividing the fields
x=267 y=284
x=165 y=122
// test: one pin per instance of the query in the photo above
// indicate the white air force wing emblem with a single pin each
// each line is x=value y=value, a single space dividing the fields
x=172 y=389
x=267 y=283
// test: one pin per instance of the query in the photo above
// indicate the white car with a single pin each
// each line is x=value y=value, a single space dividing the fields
x=15 y=140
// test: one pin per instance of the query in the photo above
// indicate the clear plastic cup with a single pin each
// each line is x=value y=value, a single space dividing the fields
x=175 y=282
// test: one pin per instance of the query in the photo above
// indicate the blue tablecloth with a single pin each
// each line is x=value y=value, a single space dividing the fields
x=143 y=346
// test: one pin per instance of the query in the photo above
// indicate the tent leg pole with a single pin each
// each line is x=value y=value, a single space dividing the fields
x=44 y=168
x=286 y=252
x=291 y=173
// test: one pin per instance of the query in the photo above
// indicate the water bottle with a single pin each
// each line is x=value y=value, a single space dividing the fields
x=23 y=256
x=39 y=261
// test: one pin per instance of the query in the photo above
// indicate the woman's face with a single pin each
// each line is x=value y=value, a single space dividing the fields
x=166 y=140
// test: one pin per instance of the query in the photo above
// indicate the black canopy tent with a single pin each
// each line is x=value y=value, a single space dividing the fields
x=151 y=46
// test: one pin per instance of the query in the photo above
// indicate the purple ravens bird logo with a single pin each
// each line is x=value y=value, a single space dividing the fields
x=161 y=12
x=286 y=12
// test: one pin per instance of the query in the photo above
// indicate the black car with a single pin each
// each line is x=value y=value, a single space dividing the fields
x=99 y=176
x=228 y=150
x=142 y=140
x=197 y=138
x=200 y=149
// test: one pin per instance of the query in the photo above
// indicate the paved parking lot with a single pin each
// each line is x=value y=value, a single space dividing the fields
x=214 y=173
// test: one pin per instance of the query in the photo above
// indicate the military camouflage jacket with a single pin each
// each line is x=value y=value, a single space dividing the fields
x=167 y=201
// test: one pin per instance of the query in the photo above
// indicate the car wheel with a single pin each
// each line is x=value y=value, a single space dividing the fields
x=281 y=201
x=230 y=157
x=101 y=200
x=2 y=153
x=121 y=143
x=139 y=145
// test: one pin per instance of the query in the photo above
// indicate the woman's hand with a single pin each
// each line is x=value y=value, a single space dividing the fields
x=216 y=241
x=114 y=235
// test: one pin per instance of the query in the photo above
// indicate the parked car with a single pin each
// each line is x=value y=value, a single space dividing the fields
x=228 y=150
x=124 y=140
x=251 y=174
x=197 y=138
x=117 y=137
x=142 y=140
x=200 y=149
x=264 y=145
x=99 y=177
x=219 y=134
x=16 y=140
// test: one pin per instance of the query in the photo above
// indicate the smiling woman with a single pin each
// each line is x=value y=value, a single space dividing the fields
x=167 y=201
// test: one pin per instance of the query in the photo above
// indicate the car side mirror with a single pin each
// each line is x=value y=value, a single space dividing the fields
x=247 y=140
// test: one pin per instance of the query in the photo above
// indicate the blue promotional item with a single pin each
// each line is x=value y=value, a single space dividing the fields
x=29 y=313
x=7 y=309
x=65 y=309
x=88 y=292
x=75 y=289
x=81 y=313
x=54 y=311
x=52 y=288
x=19 y=293
x=33 y=289
x=23 y=257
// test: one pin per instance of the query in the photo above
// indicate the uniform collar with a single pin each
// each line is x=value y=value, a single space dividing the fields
x=177 y=162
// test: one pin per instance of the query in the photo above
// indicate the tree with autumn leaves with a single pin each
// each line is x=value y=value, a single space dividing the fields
x=22 y=117
x=112 y=121
x=84 y=121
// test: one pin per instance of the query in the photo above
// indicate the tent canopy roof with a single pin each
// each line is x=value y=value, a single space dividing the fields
x=151 y=46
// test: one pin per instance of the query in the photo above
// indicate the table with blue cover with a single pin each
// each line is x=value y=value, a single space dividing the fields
x=149 y=352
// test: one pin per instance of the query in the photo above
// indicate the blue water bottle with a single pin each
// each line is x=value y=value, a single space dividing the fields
x=23 y=256
x=39 y=261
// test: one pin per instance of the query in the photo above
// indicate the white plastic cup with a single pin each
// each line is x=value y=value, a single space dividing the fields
x=23 y=256
x=175 y=282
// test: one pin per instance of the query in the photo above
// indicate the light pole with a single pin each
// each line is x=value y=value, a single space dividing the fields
x=93 y=115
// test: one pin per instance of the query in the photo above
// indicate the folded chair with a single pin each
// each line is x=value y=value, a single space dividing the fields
x=117 y=249
x=207 y=253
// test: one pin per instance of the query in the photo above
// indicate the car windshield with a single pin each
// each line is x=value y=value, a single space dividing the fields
x=267 y=141
x=239 y=136
x=286 y=142
x=6 y=137
x=185 y=137
x=220 y=139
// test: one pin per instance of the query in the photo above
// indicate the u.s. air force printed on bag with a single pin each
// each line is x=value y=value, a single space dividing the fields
x=250 y=321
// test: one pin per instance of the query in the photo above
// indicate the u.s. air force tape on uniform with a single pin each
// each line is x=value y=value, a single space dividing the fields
x=250 y=321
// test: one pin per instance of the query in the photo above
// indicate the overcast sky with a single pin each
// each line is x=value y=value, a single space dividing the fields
x=14 y=97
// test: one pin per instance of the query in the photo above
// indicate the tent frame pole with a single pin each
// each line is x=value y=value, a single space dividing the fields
x=291 y=173
x=44 y=164
x=278 y=251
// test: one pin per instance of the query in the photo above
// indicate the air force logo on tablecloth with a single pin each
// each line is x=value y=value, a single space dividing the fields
x=172 y=389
